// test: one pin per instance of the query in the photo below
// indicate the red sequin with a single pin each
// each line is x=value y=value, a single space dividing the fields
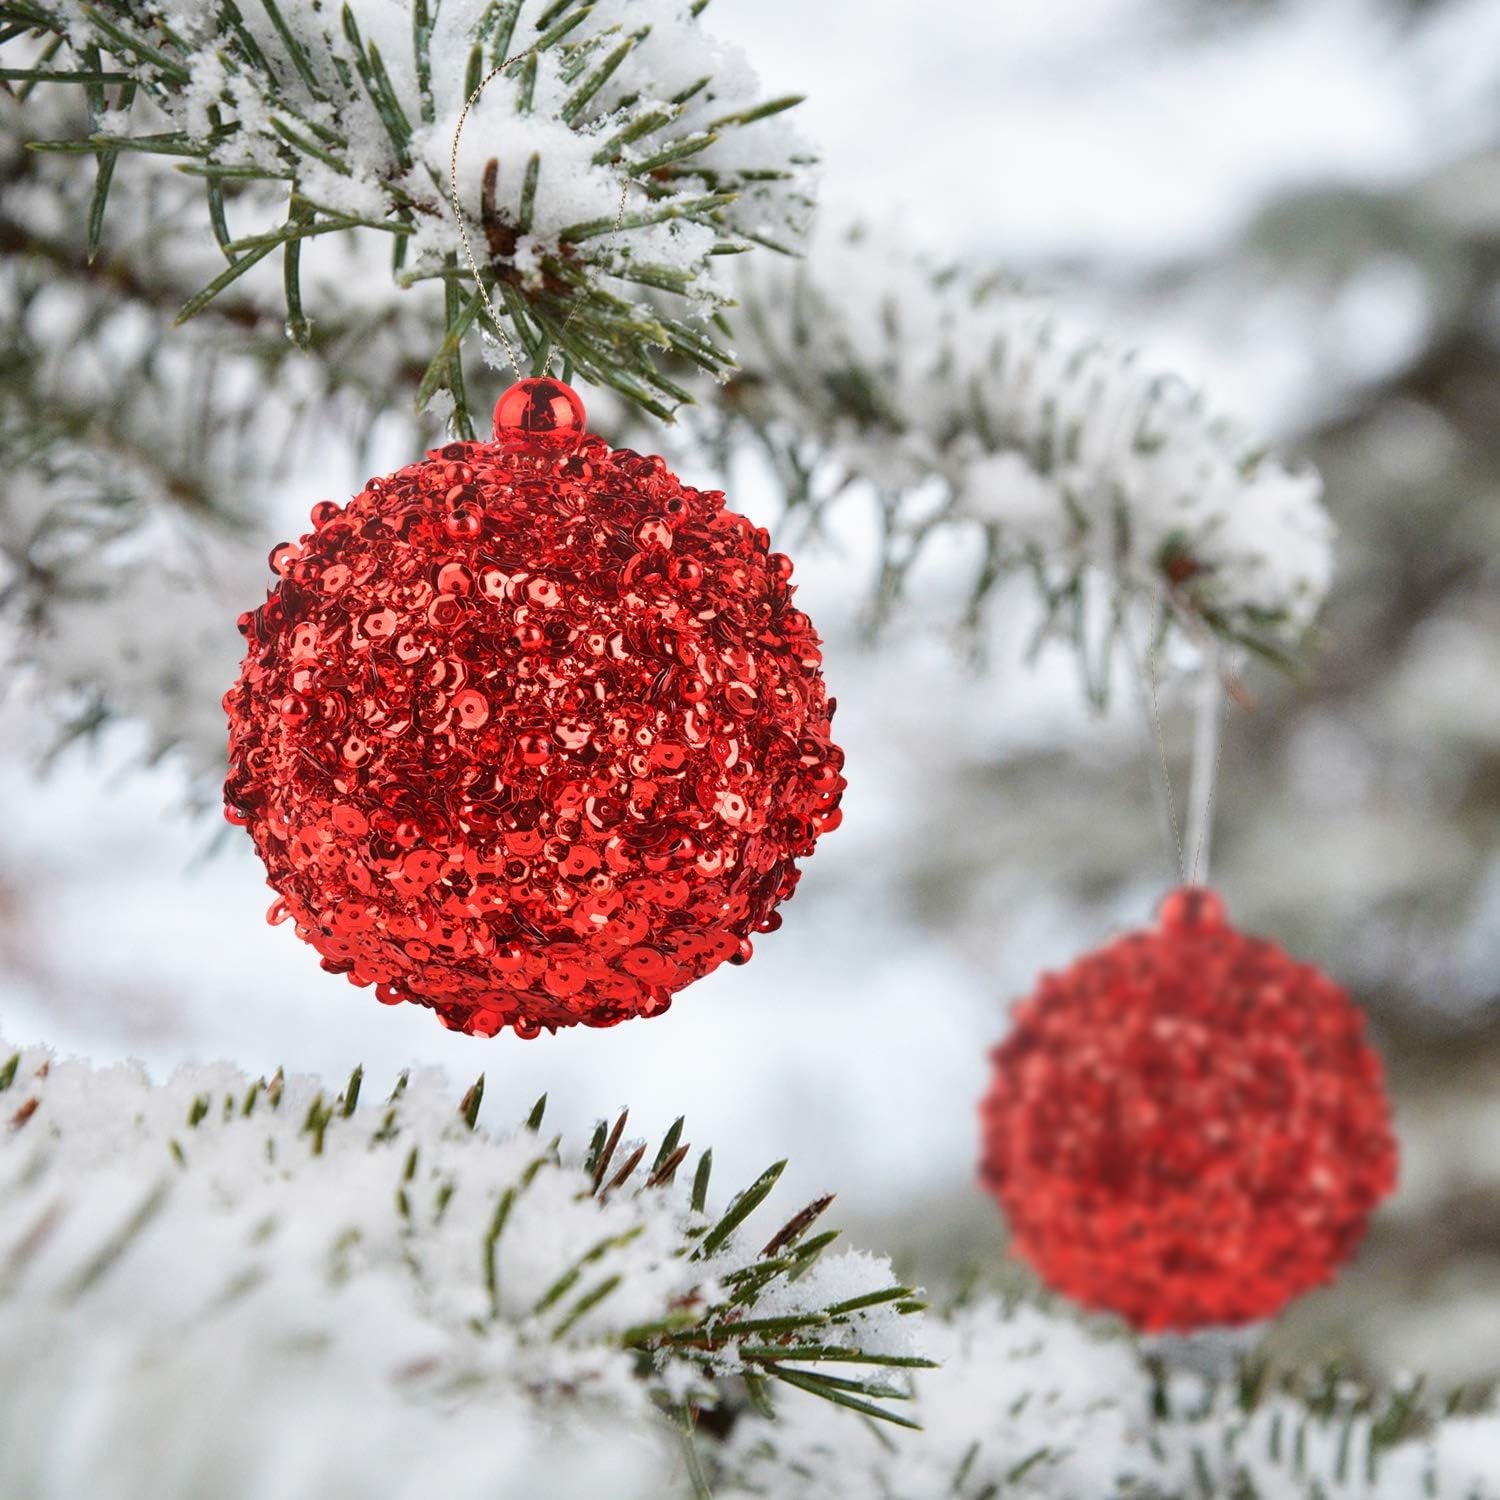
x=1187 y=1127
x=529 y=732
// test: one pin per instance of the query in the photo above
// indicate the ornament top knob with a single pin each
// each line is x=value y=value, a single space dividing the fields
x=539 y=413
x=1191 y=906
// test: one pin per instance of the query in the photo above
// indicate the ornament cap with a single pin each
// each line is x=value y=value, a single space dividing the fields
x=1191 y=906
x=539 y=413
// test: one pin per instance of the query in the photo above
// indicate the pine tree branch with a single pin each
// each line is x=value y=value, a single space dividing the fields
x=971 y=414
x=305 y=86
x=545 y=1285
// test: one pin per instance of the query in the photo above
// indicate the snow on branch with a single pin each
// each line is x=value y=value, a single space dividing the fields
x=624 y=151
x=972 y=409
x=233 y=1287
x=125 y=552
x=1027 y=1405
x=217 y=1282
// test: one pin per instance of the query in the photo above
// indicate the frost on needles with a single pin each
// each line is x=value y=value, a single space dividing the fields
x=239 y=1288
x=978 y=414
x=220 y=1284
x=623 y=151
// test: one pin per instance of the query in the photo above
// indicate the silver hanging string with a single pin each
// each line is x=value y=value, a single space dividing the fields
x=1191 y=844
x=1208 y=712
x=1143 y=671
x=458 y=212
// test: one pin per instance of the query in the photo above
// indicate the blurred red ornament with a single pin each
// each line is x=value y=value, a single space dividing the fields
x=1187 y=1127
x=529 y=732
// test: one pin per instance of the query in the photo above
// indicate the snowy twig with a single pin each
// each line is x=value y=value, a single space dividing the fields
x=969 y=409
x=221 y=1245
x=1029 y=1405
x=304 y=121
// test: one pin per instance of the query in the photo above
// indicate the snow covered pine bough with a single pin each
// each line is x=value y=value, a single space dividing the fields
x=531 y=733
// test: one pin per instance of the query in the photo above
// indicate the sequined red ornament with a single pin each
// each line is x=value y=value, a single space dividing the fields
x=530 y=732
x=1187 y=1127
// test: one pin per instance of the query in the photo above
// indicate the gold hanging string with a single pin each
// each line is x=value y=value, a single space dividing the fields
x=458 y=212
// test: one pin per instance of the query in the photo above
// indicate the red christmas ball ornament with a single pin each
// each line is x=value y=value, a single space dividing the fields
x=1187 y=1127
x=531 y=733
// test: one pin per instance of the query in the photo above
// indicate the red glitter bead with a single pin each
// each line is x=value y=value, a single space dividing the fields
x=529 y=732
x=1187 y=1127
